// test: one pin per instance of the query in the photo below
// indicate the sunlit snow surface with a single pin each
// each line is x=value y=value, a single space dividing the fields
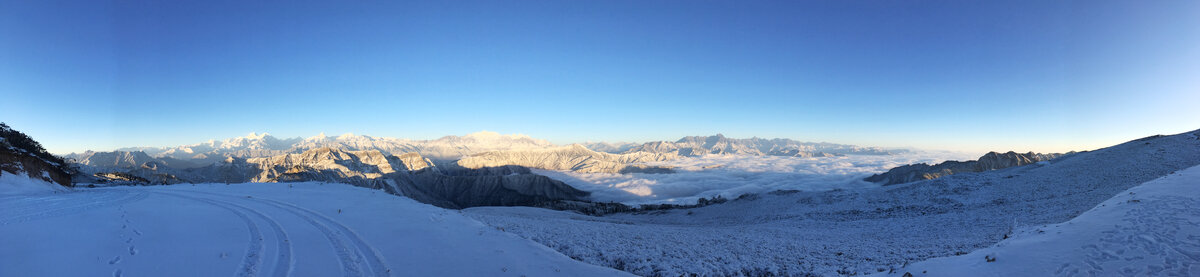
x=733 y=175
x=1149 y=230
x=295 y=229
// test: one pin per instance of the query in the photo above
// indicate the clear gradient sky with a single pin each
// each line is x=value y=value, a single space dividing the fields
x=1041 y=76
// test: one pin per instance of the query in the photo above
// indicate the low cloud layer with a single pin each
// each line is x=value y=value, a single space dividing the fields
x=732 y=176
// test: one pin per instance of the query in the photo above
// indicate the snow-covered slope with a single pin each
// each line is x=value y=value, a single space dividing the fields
x=1149 y=230
x=303 y=229
x=853 y=231
x=15 y=184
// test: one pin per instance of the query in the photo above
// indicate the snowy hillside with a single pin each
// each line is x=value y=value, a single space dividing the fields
x=299 y=229
x=1149 y=230
x=18 y=184
x=852 y=231
x=25 y=166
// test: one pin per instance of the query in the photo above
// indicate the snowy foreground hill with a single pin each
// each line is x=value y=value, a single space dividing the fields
x=868 y=230
x=1128 y=209
x=298 y=229
x=1149 y=230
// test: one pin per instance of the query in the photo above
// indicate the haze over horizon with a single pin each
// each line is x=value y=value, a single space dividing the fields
x=1021 y=76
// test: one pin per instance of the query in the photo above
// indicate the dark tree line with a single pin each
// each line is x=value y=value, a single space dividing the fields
x=19 y=140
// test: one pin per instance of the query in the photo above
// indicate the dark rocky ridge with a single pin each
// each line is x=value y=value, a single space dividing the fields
x=989 y=161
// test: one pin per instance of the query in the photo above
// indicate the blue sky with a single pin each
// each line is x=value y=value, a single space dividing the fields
x=958 y=75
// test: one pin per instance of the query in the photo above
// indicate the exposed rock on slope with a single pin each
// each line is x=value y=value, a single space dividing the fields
x=574 y=158
x=989 y=161
x=345 y=164
x=21 y=155
x=720 y=145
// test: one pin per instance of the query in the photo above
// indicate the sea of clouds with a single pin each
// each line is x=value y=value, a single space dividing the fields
x=733 y=175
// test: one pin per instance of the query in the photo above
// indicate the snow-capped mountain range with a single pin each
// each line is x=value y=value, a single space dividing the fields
x=718 y=144
x=264 y=145
x=450 y=148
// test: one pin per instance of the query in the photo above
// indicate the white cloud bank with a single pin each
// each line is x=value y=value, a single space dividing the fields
x=731 y=176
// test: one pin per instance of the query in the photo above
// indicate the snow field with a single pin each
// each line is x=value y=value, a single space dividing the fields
x=301 y=229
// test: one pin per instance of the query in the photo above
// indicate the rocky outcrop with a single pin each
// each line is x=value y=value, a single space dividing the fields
x=365 y=164
x=21 y=155
x=575 y=158
x=694 y=146
x=413 y=162
x=993 y=160
x=989 y=161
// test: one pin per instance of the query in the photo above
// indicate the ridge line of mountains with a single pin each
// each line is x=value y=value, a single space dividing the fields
x=479 y=169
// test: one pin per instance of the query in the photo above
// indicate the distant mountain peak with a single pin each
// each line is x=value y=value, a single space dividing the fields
x=256 y=136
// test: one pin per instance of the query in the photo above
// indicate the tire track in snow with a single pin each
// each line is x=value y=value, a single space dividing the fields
x=372 y=257
x=46 y=212
x=337 y=235
x=254 y=249
x=283 y=260
x=346 y=255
